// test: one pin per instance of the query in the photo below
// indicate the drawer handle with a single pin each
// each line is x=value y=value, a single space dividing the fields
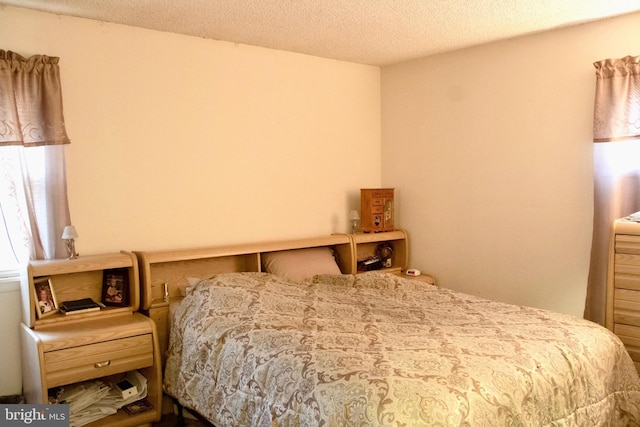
x=102 y=364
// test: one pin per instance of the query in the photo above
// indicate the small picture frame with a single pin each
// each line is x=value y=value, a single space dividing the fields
x=45 y=298
x=138 y=406
x=115 y=287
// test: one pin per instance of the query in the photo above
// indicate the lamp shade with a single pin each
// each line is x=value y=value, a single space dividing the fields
x=69 y=232
x=354 y=216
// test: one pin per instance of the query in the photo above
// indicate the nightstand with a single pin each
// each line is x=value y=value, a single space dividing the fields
x=61 y=349
x=425 y=278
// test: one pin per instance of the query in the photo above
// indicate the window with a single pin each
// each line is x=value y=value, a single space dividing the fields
x=33 y=190
x=8 y=261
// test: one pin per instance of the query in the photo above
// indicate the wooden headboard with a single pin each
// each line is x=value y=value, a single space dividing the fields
x=171 y=269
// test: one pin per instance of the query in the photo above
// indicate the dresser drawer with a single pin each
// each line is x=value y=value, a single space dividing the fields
x=634 y=352
x=630 y=335
x=626 y=317
x=627 y=265
x=91 y=361
x=627 y=244
x=627 y=271
x=625 y=300
x=625 y=280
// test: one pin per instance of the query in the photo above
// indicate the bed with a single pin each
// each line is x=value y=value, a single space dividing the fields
x=258 y=346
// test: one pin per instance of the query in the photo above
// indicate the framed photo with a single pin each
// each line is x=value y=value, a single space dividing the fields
x=45 y=298
x=115 y=287
x=137 y=407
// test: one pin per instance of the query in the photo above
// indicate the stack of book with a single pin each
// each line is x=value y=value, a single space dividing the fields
x=80 y=306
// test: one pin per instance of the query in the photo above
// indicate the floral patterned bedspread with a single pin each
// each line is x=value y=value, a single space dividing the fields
x=375 y=349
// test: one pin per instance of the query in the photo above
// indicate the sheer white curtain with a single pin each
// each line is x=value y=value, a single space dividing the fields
x=33 y=189
x=616 y=133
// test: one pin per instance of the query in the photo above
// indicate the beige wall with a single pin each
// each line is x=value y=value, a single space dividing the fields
x=179 y=141
x=490 y=148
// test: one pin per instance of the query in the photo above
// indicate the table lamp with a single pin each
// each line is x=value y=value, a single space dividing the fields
x=69 y=234
x=355 y=218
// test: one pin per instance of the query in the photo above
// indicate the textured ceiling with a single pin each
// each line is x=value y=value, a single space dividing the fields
x=376 y=32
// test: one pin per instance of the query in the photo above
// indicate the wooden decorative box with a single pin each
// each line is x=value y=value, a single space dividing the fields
x=376 y=210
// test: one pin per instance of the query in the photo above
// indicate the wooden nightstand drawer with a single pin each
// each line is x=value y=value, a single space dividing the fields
x=86 y=362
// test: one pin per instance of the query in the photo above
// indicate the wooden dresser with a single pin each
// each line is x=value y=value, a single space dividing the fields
x=106 y=344
x=623 y=286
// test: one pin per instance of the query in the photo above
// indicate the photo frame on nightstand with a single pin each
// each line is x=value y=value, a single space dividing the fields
x=115 y=287
x=45 y=298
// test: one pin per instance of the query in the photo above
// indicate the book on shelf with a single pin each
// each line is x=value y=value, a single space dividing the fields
x=80 y=311
x=80 y=306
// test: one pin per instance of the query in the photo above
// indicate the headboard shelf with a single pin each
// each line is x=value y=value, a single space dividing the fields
x=175 y=267
x=365 y=245
x=78 y=278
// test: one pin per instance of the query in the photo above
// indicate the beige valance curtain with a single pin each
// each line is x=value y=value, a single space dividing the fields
x=33 y=189
x=616 y=133
x=31 y=101
x=617 y=105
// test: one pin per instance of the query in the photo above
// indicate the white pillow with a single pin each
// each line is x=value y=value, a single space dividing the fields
x=298 y=264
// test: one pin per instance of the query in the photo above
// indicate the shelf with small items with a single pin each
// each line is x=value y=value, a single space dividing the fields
x=46 y=285
x=386 y=251
x=112 y=405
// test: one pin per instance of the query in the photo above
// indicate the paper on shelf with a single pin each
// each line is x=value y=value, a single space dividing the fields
x=91 y=400
x=81 y=395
